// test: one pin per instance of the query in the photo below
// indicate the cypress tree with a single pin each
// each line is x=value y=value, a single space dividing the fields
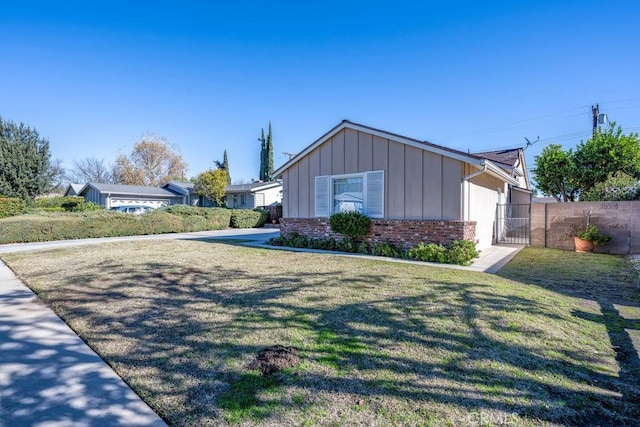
x=225 y=166
x=263 y=151
x=269 y=156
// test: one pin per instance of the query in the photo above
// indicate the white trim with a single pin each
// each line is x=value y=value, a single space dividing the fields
x=365 y=193
x=497 y=172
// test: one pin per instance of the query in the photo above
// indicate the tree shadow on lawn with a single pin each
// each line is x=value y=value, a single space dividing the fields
x=619 y=290
x=182 y=336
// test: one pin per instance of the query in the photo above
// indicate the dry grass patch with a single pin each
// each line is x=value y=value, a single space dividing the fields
x=380 y=343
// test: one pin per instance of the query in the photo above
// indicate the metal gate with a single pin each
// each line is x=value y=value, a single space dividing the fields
x=513 y=224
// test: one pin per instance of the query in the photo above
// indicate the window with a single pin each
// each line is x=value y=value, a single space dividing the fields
x=363 y=192
x=348 y=194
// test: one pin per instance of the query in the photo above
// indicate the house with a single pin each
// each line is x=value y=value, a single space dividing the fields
x=189 y=195
x=113 y=195
x=414 y=191
x=73 y=189
x=254 y=195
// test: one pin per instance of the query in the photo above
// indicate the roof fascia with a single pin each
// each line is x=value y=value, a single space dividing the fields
x=344 y=125
x=497 y=172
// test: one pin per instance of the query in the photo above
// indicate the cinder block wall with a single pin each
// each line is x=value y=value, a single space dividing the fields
x=406 y=233
x=552 y=224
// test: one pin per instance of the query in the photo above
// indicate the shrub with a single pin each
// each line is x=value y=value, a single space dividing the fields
x=461 y=252
x=11 y=207
x=350 y=224
x=387 y=249
x=47 y=226
x=68 y=204
x=594 y=235
x=323 y=244
x=296 y=240
x=431 y=252
x=244 y=218
x=214 y=218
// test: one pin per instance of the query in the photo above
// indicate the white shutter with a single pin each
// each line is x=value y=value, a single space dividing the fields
x=322 y=196
x=375 y=194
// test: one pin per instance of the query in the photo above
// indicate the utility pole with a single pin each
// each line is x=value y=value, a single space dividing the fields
x=596 y=113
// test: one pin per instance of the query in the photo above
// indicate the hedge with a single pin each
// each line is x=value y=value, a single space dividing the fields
x=47 y=226
x=11 y=207
x=68 y=203
x=242 y=218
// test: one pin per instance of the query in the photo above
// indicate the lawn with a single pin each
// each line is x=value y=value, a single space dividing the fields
x=548 y=341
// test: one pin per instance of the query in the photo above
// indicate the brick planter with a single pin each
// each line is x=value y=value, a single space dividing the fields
x=405 y=233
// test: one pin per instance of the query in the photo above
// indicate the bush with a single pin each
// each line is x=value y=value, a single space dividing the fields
x=460 y=252
x=387 y=249
x=201 y=219
x=244 y=218
x=618 y=187
x=431 y=252
x=68 y=204
x=594 y=235
x=350 y=224
x=10 y=206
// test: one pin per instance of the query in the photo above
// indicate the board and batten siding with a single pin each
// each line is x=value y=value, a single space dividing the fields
x=418 y=184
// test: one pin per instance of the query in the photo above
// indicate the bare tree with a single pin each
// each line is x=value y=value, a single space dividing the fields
x=91 y=169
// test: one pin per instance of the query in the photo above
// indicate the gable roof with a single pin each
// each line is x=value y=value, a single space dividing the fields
x=253 y=187
x=180 y=187
x=132 y=190
x=472 y=159
x=73 y=189
x=507 y=157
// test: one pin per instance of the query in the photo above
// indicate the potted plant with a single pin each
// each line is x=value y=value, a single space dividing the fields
x=587 y=237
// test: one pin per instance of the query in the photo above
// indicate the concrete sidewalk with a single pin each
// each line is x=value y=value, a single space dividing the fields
x=49 y=376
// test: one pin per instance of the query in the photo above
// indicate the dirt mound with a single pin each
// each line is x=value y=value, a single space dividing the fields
x=275 y=358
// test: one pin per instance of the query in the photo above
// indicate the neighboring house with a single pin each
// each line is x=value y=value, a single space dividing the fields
x=254 y=195
x=73 y=189
x=414 y=190
x=113 y=195
x=189 y=196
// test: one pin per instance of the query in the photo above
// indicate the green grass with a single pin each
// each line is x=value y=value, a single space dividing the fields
x=548 y=341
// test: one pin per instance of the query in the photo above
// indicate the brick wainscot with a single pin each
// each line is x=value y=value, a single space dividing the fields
x=405 y=233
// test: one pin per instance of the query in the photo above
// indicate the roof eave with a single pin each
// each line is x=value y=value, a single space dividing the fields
x=496 y=171
x=474 y=160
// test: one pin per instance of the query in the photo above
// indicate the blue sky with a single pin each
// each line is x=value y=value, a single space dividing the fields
x=92 y=77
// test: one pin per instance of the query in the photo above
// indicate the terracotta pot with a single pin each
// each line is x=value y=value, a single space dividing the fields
x=583 y=245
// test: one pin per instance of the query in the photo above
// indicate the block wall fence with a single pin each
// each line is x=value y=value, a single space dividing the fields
x=405 y=233
x=553 y=224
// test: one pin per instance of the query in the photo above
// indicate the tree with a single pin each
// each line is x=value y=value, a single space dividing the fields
x=212 y=184
x=152 y=162
x=91 y=169
x=568 y=176
x=224 y=164
x=263 y=152
x=25 y=167
x=609 y=151
x=618 y=187
x=266 y=156
x=555 y=173
x=268 y=176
